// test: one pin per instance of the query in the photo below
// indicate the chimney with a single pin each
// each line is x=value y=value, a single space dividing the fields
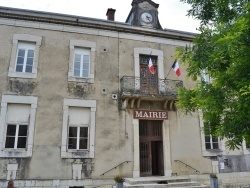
x=110 y=14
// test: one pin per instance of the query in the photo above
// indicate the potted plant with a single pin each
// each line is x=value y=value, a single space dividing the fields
x=119 y=181
x=213 y=181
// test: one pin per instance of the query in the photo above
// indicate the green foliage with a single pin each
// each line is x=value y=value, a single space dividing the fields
x=221 y=50
x=119 y=179
x=213 y=176
x=222 y=11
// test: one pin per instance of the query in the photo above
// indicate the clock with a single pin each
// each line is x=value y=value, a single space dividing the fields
x=146 y=17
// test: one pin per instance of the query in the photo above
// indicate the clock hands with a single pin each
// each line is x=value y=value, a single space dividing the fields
x=148 y=18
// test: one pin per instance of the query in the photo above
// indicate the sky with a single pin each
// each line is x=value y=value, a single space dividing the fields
x=172 y=13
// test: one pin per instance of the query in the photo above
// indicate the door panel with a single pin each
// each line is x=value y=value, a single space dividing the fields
x=151 y=148
x=160 y=159
x=157 y=158
x=145 y=158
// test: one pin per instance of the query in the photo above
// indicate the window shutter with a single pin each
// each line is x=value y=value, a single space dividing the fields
x=89 y=119
x=26 y=148
x=5 y=127
x=89 y=126
x=67 y=137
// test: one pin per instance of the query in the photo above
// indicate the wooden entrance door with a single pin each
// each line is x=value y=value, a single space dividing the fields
x=148 y=81
x=151 y=148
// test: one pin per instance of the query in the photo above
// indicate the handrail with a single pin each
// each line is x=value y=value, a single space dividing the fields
x=187 y=165
x=115 y=167
x=152 y=86
x=140 y=77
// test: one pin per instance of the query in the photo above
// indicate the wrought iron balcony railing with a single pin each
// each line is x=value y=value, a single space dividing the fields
x=138 y=86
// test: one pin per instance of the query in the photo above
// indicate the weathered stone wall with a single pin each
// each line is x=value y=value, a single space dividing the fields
x=234 y=163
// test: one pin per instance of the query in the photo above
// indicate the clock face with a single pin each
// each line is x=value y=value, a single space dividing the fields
x=146 y=17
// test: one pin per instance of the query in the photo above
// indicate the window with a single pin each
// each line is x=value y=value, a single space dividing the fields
x=17 y=121
x=81 y=61
x=210 y=145
x=24 y=56
x=16 y=136
x=78 y=132
x=78 y=126
x=211 y=142
x=78 y=138
x=206 y=78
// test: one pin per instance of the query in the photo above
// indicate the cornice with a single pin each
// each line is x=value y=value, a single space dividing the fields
x=77 y=21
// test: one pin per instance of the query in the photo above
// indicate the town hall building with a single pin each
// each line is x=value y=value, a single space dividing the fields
x=86 y=99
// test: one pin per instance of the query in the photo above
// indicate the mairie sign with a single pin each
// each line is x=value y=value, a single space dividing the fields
x=151 y=114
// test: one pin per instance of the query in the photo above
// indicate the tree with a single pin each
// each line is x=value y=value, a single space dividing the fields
x=222 y=51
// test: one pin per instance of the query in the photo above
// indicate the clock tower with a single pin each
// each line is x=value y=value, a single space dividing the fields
x=144 y=13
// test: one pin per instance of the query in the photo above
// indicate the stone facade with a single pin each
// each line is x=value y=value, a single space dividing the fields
x=53 y=98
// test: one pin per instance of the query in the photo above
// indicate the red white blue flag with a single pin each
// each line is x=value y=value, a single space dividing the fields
x=151 y=66
x=176 y=68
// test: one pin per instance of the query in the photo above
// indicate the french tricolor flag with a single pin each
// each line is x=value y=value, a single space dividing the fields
x=176 y=68
x=151 y=66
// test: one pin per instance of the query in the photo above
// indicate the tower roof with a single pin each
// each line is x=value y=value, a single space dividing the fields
x=149 y=1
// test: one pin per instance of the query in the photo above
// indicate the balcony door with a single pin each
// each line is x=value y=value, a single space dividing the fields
x=148 y=81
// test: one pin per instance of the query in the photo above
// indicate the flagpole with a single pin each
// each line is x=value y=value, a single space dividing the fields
x=167 y=74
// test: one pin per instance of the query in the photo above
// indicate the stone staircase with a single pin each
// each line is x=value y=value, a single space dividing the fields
x=161 y=182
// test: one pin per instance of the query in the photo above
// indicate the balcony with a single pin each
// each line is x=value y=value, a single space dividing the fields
x=136 y=89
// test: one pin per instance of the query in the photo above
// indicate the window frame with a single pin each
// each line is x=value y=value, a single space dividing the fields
x=160 y=65
x=210 y=152
x=206 y=77
x=86 y=45
x=26 y=47
x=17 y=40
x=149 y=52
x=73 y=153
x=18 y=152
x=16 y=137
x=211 y=142
x=78 y=138
x=81 y=52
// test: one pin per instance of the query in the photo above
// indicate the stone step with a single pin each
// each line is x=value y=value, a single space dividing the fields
x=162 y=182
x=155 y=185
x=163 y=186
x=157 y=180
x=200 y=186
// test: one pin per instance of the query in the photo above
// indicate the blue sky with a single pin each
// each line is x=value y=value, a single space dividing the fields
x=172 y=13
